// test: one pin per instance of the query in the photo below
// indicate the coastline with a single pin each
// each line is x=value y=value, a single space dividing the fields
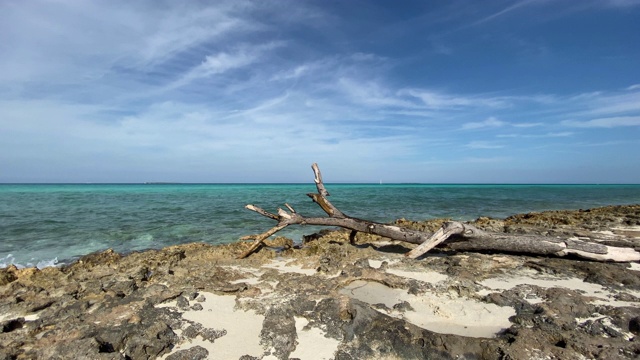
x=329 y=299
x=42 y=224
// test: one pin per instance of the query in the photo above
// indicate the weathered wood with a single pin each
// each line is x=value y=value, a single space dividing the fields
x=456 y=235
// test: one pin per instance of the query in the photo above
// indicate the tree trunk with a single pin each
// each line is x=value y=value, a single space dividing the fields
x=461 y=236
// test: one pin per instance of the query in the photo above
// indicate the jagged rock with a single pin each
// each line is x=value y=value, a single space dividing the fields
x=149 y=304
x=195 y=353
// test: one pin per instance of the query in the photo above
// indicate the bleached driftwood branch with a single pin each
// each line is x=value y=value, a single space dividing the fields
x=460 y=236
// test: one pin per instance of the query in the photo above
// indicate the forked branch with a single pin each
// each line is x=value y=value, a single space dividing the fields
x=461 y=236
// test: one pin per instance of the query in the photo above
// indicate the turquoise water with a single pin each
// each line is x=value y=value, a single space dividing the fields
x=41 y=225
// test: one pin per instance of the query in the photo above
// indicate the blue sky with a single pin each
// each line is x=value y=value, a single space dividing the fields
x=255 y=91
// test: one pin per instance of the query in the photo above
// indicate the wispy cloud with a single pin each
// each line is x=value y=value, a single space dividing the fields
x=224 y=61
x=148 y=85
x=483 y=145
x=485 y=160
x=610 y=122
x=439 y=100
x=490 y=122
x=528 y=125
x=506 y=10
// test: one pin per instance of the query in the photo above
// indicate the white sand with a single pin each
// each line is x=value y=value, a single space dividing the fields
x=377 y=263
x=447 y=314
x=635 y=267
x=431 y=277
x=286 y=267
x=250 y=281
x=32 y=317
x=243 y=332
x=243 y=328
x=29 y=317
x=604 y=296
x=312 y=343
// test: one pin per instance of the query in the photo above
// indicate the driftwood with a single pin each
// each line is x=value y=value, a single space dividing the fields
x=461 y=236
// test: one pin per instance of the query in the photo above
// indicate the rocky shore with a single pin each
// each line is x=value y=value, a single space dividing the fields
x=328 y=299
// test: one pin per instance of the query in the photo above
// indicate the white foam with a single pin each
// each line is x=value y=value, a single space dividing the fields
x=40 y=264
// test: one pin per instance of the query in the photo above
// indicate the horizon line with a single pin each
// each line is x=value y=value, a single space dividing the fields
x=152 y=183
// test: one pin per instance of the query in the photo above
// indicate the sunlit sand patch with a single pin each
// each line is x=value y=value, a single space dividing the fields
x=605 y=233
x=250 y=281
x=376 y=264
x=604 y=296
x=242 y=327
x=431 y=277
x=29 y=317
x=616 y=232
x=32 y=317
x=630 y=231
x=285 y=266
x=446 y=314
x=635 y=267
x=312 y=343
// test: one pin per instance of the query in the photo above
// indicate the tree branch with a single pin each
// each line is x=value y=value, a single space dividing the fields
x=455 y=235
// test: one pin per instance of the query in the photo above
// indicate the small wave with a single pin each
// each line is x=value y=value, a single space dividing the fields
x=40 y=264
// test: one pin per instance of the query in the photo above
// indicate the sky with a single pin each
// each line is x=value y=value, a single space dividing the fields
x=496 y=91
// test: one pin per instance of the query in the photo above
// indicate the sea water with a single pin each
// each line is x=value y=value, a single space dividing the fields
x=43 y=225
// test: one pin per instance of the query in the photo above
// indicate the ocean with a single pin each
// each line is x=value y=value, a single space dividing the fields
x=50 y=224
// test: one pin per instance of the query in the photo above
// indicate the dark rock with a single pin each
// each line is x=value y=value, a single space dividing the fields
x=195 y=353
x=104 y=305
x=279 y=331
x=634 y=325
x=11 y=325
x=7 y=275
x=182 y=303
x=403 y=306
x=212 y=334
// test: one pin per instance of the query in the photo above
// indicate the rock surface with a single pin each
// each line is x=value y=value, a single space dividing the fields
x=330 y=299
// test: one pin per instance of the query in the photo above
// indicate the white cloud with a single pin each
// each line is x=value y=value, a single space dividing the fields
x=610 y=122
x=527 y=125
x=483 y=145
x=533 y=136
x=490 y=122
x=177 y=83
x=222 y=62
x=438 y=100
x=371 y=93
x=608 y=105
x=483 y=160
x=559 y=134
x=623 y=3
